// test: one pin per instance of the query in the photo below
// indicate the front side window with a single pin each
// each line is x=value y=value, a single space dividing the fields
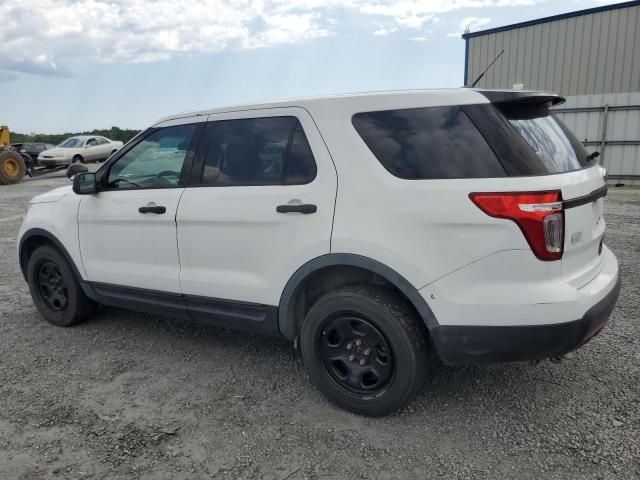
x=155 y=162
x=101 y=141
x=257 y=151
x=428 y=143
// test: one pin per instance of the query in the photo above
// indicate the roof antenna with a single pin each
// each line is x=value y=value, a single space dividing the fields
x=487 y=69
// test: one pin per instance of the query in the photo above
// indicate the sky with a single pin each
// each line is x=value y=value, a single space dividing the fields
x=76 y=65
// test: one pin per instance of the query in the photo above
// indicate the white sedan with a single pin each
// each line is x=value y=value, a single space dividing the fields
x=79 y=149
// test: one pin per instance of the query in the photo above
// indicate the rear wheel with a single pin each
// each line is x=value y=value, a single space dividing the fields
x=365 y=349
x=12 y=167
x=55 y=290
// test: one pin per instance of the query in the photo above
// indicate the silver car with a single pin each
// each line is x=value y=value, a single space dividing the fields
x=79 y=149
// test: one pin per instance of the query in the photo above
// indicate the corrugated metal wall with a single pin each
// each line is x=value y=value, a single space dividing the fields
x=584 y=55
x=609 y=123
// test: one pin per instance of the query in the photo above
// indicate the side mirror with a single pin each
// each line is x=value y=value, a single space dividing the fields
x=85 y=183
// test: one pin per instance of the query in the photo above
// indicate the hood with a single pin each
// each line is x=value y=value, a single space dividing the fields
x=53 y=195
x=60 y=152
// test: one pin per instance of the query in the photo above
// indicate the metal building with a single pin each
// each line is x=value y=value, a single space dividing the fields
x=592 y=57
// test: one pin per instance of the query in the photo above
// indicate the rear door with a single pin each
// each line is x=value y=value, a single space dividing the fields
x=262 y=205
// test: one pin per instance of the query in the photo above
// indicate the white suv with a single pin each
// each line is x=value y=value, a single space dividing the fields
x=367 y=228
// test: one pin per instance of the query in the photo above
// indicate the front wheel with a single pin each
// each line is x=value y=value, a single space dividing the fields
x=365 y=348
x=55 y=290
x=12 y=167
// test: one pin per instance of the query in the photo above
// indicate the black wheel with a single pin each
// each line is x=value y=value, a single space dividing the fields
x=365 y=349
x=78 y=159
x=55 y=290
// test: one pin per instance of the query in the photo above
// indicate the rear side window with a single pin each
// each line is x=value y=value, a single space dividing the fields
x=257 y=151
x=428 y=143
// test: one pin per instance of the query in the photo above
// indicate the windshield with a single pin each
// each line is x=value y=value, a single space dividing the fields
x=73 y=142
x=549 y=138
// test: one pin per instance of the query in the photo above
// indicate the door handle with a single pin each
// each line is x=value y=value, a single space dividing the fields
x=305 y=208
x=152 y=209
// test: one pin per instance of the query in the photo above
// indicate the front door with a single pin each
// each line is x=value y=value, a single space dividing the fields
x=128 y=229
x=263 y=206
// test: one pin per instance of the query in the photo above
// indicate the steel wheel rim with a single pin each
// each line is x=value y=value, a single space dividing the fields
x=355 y=355
x=52 y=286
x=11 y=167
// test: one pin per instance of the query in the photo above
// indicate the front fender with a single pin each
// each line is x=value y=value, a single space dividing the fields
x=58 y=223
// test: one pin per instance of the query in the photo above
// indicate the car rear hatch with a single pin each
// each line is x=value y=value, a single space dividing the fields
x=532 y=142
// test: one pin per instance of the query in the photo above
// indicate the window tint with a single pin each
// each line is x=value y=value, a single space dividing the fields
x=428 y=143
x=155 y=162
x=257 y=151
x=101 y=141
x=73 y=142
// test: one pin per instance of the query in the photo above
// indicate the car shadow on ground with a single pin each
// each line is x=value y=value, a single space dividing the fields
x=446 y=387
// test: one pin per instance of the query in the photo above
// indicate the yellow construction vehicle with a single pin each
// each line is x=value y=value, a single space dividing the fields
x=12 y=165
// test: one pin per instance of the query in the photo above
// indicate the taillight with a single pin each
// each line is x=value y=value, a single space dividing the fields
x=539 y=215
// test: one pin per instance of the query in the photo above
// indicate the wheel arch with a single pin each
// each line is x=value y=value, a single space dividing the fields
x=289 y=307
x=36 y=237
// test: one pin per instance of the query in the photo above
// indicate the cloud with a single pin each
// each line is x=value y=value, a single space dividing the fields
x=384 y=32
x=42 y=37
x=40 y=65
x=415 y=13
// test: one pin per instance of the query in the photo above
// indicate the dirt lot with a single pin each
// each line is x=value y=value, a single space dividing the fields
x=128 y=395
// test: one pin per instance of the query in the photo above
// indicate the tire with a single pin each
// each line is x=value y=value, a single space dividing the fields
x=61 y=302
x=385 y=370
x=77 y=159
x=12 y=167
x=76 y=168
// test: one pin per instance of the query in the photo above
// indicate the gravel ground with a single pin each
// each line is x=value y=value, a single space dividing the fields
x=128 y=395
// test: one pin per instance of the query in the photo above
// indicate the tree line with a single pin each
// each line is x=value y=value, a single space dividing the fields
x=114 y=133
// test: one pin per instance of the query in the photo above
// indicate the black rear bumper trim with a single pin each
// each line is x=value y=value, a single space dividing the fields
x=460 y=345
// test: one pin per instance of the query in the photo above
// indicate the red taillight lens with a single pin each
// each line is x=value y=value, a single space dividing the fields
x=539 y=215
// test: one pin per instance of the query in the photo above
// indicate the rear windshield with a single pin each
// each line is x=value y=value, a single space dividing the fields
x=547 y=136
x=470 y=141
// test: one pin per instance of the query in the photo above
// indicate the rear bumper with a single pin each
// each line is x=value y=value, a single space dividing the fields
x=459 y=344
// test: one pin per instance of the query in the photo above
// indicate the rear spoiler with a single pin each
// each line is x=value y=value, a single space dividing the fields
x=521 y=96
